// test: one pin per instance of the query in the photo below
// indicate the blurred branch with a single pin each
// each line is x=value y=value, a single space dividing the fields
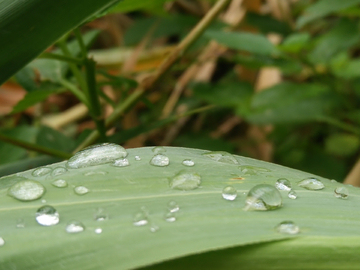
x=353 y=178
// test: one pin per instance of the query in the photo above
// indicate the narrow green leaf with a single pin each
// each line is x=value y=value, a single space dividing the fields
x=340 y=144
x=295 y=42
x=132 y=5
x=54 y=139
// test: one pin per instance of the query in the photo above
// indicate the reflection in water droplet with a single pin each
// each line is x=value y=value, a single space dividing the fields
x=185 y=181
x=188 y=162
x=140 y=219
x=58 y=171
x=287 y=227
x=311 y=183
x=137 y=158
x=292 y=194
x=341 y=193
x=252 y=170
x=81 y=190
x=95 y=173
x=27 y=190
x=158 y=150
x=20 y=223
x=60 y=183
x=170 y=217
x=41 y=171
x=173 y=206
x=75 y=227
x=96 y=155
x=283 y=184
x=100 y=215
x=98 y=230
x=47 y=216
x=123 y=162
x=2 y=241
x=263 y=197
x=160 y=160
x=221 y=156
x=229 y=193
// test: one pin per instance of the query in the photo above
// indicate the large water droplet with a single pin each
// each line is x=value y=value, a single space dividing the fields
x=96 y=155
x=221 y=156
x=137 y=158
x=81 y=190
x=75 y=227
x=170 y=217
x=311 y=184
x=283 y=184
x=252 y=170
x=2 y=241
x=292 y=195
x=27 y=190
x=47 y=216
x=188 y=162
x=185 y=181
x=341 y=193
x=160 y=160
x=287 y=227
x=229 y=193
x=58 y=171
x=263 y=197
x=140 y=219
x=41 y=171
x=122 y=162
x=60 y=183
x=173 y=206
x=158 y=150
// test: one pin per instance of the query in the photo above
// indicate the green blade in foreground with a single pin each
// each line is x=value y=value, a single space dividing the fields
x=205 y=221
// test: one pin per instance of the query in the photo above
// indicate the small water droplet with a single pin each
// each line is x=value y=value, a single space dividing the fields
x=58 y=171
x=287 y=227
x=47 y=216
x=60 y=183
x=75 y=227
x=221 y=156
x=43 y=201
x=81 y=190
x=140 y=219
x=229 y=193
x=158 y=150
x=20 y=223
x=185 y=181
x=160 y=160
x=252 y=170
x=96 y=155
x=154 y=228
x=311 y=183
x=95 y=173
x=170 y=217
x=100 y=215
x=41 y=171
x=137 y=158
x=27 y=190
x=173 y=206
x=341 y=193
x=98 y=230
x=2 y=241
x=333 y=181
x=283 y=184
x=122 y=162
x=188 y=162
x=292 y=195
x=263 y=197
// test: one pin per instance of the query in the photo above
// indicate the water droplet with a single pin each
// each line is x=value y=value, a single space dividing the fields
x=287 y=227
x=140 y=219
x=43 y=201
x=75 y=227
x=95 y=173
x=154 y=228
x=185 y=181
x=263 y=197
x=96 y=155
x=81 y=190
x=173 y=206
x=2 y=241
x=283 y=184
x=333 y=181
x=170 y=217
x=159 y=149
x=123 y=162
x=60 y=183
x=292 y=195
x=137 y=158
x=188 y=162
x=341 y=193
x=47 y=216
x=20 y=223
x=311 y=184
x=229 y=193
x=100 y=215
x=221 y=156
x=27 y=190
x=98 y=230
x=252 y=170
x=160 y=160
x=41 y=171
x=58 y=171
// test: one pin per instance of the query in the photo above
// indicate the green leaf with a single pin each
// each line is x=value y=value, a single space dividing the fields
x=132 y=5
x=248 y=42
x=323 y=8
x=342 y=144
x=205 y=222
x=54 y=139
x=295 y=42
x=267 y=24
x=342 y=66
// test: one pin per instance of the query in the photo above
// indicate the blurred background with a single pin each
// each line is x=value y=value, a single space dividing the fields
x=274 y=80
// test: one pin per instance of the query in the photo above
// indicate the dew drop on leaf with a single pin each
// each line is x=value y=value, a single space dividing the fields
x=137 y=158
x=292 y=195
x=229 y=193
x=27 y=190
x=60 y=183
x=81 y=190
x=158 y=150
x=188 y=162
x=98 y=231
x=41 y=171
x=341 y=193
x=287 y=227
x=122 y=162
x=154 y=228
x=20 y=223
x=47 y=216
x=173 y=206
x=2 y=241
x=221 y=156
x=140 y=219
x=160 y=160
x=92 y=173
x=311 y=183
x=283 y=184
x=170 y=217
x=252 y=170
x=96 y=155
x=185 y=181
x=75 y=227
x=100 y=215
x=58 y=171
x=263 y=197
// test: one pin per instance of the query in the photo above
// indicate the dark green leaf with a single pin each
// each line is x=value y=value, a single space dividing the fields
x=344 y=67
x=132 y=5
x=51 y=138
x=295 y=42
x=267 y=24
x=342 y=144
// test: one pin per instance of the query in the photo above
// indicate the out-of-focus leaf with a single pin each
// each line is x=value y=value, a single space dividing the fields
x=132 y=5
x=344 y=67
x=323 y=8
x=342 y=144
x=201 y=140
x=51 y=138
x=267 y=24
x=295 y=42
x=248 y=42
x=26 y=78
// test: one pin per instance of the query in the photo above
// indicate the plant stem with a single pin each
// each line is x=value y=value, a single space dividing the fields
x=60 y=57
x=339 y=124
x=80 y=95
x=166 y=65
x=35 y=147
